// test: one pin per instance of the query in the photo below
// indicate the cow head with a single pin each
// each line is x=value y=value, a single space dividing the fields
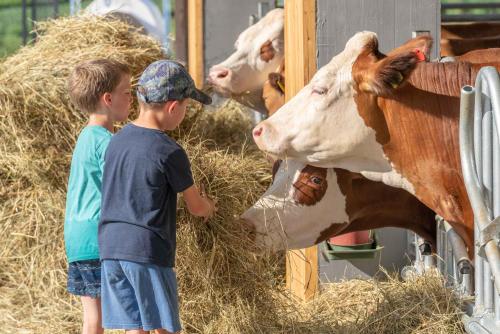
x=303 y=206
x=322 y=124
x=259 y=51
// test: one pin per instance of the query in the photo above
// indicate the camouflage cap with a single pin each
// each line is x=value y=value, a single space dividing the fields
x=166 y=80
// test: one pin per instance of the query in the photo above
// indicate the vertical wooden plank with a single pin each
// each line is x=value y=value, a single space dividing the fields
x=181 y=48
x=195 y=41
x=300 y=66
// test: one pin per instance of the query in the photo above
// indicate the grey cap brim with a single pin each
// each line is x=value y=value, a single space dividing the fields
x=201 y=97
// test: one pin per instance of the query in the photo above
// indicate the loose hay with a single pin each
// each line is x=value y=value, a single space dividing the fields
x=224 y=286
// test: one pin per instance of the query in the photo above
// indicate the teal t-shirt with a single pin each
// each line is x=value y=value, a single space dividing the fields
x=83 y=201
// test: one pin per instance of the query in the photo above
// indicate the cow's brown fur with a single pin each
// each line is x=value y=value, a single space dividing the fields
x=372 y=205
x=481 y=56
x=267 y=51
x=456 y=47
x=470 y=30
x=311 y=185
x=369 y=204
x=273 y=90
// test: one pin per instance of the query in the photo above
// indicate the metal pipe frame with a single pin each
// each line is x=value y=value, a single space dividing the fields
x=474 y=188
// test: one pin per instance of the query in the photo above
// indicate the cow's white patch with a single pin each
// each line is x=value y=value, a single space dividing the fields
x=392 y=178
x=281 y=223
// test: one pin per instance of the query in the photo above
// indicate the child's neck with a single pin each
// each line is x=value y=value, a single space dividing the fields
x=103 y=120
x=148 y=119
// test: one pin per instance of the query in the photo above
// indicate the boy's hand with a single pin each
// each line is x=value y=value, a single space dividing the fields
x=198 y=203
x=212 y=203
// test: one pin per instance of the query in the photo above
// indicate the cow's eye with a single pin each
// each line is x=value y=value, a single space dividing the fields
x=319 y=90
x=316 y=180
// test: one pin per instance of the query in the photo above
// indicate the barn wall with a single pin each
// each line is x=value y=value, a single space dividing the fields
x=224 y=21
x=392 y=20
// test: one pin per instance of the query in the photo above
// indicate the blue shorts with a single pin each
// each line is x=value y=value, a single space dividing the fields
x=139 y=296
x=84 y=278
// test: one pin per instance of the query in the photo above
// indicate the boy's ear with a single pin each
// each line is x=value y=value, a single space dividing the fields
x=382 y=77
x=172 y=105
x=106 y=99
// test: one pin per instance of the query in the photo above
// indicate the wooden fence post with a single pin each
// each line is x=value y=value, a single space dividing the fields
x=195 y=41
x=300 y=66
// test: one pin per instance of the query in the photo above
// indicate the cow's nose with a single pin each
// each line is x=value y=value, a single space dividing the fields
x=257 y=131
x=222 y=74
x=218 y=73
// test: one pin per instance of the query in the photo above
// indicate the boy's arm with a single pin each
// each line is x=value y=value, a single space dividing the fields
x=198 y=204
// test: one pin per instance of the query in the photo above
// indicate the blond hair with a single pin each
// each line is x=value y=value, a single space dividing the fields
x=91 y=79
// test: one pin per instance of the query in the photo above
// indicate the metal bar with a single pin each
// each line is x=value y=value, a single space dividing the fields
x=446 y=6
x=496 y=197
x=469 y=170
x=469 y=17
x=487 y=180
x=457 y=244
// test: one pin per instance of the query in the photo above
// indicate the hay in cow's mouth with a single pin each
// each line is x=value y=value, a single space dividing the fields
x=224 y=286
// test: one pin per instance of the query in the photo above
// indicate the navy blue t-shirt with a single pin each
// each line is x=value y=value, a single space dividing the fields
x=143 y=172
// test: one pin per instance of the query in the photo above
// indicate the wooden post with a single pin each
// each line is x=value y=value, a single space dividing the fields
x=300 y=66
x=195 y=41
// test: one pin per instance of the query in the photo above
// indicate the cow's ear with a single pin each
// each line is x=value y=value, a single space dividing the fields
x=421 y=45
x=380 y=75
x=386 y=75
x=277 y=81
x=267 y=51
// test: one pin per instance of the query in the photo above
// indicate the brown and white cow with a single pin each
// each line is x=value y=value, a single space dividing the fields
x=306 y=205
x=259 y=51
x=372 y=113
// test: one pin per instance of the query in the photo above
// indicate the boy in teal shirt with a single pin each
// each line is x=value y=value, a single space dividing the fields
x=100 y=88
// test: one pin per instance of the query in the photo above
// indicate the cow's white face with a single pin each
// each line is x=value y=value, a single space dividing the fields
x=303 y=206
x=329 y=123
x=259 y=51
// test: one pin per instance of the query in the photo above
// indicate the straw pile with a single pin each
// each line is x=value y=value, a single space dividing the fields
x=224 y=286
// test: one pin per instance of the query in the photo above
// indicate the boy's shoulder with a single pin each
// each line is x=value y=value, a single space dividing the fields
x=95 y=132
x=153 y=140
x=94 y=136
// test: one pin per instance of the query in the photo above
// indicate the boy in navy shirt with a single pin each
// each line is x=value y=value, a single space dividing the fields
x=144 y=171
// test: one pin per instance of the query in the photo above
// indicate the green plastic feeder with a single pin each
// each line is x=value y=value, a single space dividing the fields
x=360 y=251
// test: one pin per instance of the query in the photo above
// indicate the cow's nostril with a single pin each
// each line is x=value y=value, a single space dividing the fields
x=258 y=131
x=222 y=74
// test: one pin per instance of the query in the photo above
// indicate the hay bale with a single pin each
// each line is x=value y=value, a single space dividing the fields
x=224 y=286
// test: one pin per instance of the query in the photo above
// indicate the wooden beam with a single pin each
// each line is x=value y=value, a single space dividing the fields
x=300 y=65
x=195 y=41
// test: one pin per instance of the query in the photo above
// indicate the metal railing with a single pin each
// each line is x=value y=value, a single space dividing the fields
x=480 y=155
x=453 y=262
